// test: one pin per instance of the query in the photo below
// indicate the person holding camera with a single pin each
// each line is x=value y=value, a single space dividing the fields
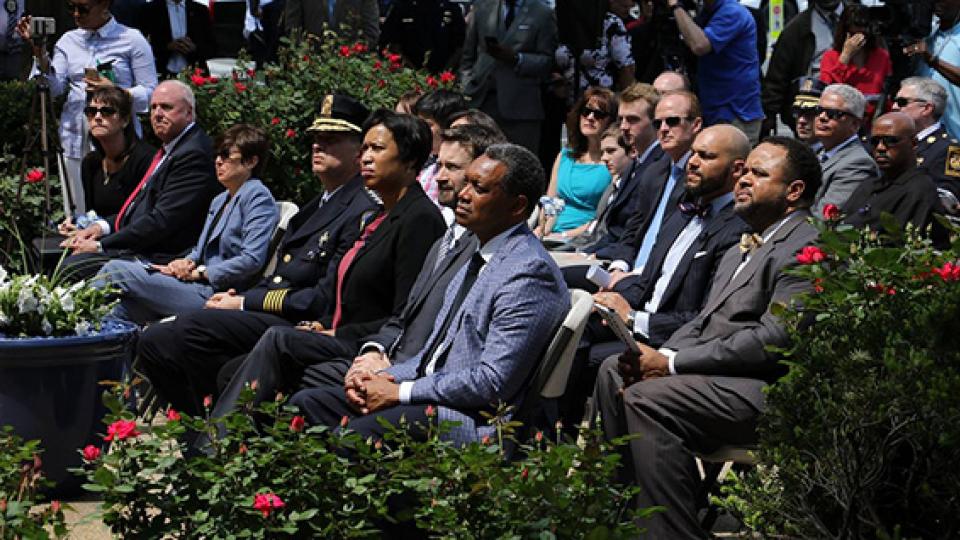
x=941 y=59
x=99 y=52
x=724 y=36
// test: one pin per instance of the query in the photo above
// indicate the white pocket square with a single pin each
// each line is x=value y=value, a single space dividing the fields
x=699 y=254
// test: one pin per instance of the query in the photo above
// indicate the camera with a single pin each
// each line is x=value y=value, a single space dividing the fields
x=43 y=27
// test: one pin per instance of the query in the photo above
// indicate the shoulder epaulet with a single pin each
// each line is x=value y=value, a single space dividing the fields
x=951 y=165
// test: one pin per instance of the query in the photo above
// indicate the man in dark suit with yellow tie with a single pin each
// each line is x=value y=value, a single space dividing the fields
x=704 y=387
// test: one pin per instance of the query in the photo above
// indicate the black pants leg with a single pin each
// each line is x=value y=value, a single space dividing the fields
x=182 y=358
x=277 y=363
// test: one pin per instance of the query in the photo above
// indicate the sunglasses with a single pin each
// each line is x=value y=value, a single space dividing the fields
x=887 y=140
x=832 y=114
x=585 y=112
x=80 y=9
x=671 y=121
x=904 y=101
x=803 y=111
x=104 y=111
x=226 y=155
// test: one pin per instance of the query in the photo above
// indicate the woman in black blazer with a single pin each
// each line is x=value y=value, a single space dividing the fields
x=375 y=276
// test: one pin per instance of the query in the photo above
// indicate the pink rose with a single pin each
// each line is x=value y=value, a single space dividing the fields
x=447 y=77
x=173 y=415
x=297 y=423
x=831 y=212
x=198 y=80
x=430 y=411
x=275 y=120
x=239 y=87
x=345 y=51
x=811 y=255
x=35 y=175
x=121 y=429
x=291 y=133
x=91 y=453
x=207 y=402
x=267 y=503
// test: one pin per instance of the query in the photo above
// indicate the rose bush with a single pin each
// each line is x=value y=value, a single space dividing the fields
x=22 y=515
x=284 y=98
x=862 y=437
x=281 y=477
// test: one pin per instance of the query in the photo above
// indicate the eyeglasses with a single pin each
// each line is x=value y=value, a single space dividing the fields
x=671 y=121
x=904 y=101
x=226 y=155
x=803 y=111
x=832 y=114
x=104 y=111
x=80 y=9
x=887 y=140
x=585 y=112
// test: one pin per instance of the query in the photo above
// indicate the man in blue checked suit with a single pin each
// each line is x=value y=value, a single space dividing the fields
x=498 y=317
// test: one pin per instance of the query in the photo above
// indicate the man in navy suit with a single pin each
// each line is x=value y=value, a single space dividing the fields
x=498 y=316
x=286 y=358
x=164 y=215
x=181 y=359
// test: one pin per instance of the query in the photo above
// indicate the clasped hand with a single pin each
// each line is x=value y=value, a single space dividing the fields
x=83 y=241
x=225 y=300
x=650 y=363
x=367 y=388
x=182 y=269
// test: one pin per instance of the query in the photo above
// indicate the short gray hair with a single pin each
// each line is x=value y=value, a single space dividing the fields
x=524 y=174
x=185 y=90
x=853 y=99
x=930 y=91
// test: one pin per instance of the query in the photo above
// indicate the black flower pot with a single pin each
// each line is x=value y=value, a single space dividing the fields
x=49 y=390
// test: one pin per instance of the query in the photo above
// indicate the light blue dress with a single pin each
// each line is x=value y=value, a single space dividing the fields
x=580 y=185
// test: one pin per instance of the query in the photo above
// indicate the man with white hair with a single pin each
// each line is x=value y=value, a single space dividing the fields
x=924 y=100
x=844 y=160
x=162 y=217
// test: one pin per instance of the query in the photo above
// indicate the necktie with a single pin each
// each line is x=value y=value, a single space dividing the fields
x=11 y=35
x=694 y=209
x=473 y=270
x=347 y=260
x=133 y=195
x=823 y=156
x=750 y=242
x=511 y=13
x=445 y=246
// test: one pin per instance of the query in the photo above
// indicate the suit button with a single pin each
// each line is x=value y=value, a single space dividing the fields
x=287 y=258
x=931 y=139
x=277 y=279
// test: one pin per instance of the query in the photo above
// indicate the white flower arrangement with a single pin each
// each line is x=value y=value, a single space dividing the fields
x=33 y=306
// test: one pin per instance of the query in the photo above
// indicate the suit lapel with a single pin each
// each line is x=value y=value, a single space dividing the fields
x=224 y=218
x=673 y=225
x=414 y=193
x=324 y=215
x=420 y=294
x=716 y=225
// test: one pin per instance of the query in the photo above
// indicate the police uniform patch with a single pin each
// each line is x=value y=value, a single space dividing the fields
x=952 y=166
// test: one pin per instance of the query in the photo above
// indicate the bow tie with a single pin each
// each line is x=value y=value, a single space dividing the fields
x=694 y=209
x=750 y=242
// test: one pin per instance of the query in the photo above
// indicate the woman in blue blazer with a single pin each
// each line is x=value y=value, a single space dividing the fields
x=232 y=248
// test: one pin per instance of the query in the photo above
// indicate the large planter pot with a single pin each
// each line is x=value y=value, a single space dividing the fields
x=49 y=390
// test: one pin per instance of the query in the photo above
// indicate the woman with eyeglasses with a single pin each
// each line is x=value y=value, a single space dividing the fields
x=232 y=248
x=99 y=53
x=857 y=57
x=579 y=177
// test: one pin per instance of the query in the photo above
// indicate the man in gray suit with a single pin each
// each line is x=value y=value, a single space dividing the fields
x=844 y=160
x=498 y=316
x=507 y=53
x=357 y=20
x=704 y=388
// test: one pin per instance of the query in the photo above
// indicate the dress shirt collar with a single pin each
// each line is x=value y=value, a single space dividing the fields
x=458 y=231
x=833 y=151
x=327 y=195
x=928 y=131
x=720 y=202
x=488 y=250
x=108 y=29
x=772 y=229
x=646 y=153
x=682 y=163
x=167 y=148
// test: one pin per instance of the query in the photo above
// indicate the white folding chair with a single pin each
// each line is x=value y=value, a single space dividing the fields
x=287 y=210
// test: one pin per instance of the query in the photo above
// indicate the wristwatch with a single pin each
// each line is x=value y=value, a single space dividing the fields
x=202 y=271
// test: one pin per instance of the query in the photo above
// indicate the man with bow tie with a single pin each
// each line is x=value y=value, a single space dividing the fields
x=674 y=282
x=703 y=388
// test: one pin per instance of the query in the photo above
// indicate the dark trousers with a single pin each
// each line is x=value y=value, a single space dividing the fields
x=83 y=265
x=181 y=358
x=278 y=361
x=675 y=416
x=327 y=406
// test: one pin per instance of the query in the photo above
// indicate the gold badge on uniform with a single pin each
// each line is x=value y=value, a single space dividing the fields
x=931 y=139
x=323 y=239
x=952 y=167
x=287 y=258
x=327 y=106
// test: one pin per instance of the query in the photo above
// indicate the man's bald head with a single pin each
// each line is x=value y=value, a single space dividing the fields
x=894 y=145
x=717 y=161
x=670 y=81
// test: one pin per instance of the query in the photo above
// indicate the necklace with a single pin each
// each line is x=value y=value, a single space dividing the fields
x=107 y=174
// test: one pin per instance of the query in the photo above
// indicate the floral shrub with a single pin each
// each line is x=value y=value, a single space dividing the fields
x=22 y=513
x=285 y=97
x=862 y=437
x=282 y=477
x=24 y=211
x=37 y=305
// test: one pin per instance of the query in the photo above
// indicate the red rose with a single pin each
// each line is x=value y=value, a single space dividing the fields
x=359 y=48
x=267 y=503
x=173 y=415
x=394 y=59
x=430 y=411
x=275 y=120
x=446 y=77
x=811 y=255
x=377 y=65
x=431 y=81
x=239 y=87
x=344 y=51
x=197 y=71
x=242 y=449
x=948 y=272
x=344 y=421
x=485 y=440
x=213 y=79
x=818 y=285
x=207 y=402
x=121 y=429
x=198 y=80
x=291 y=133
x=55 y=506
x=831 y=212
x=524 y=473
x=91 y=453
x=296 y=424
x=381 y=83
x=538 y=437
x=251 y=73
x=35 y=175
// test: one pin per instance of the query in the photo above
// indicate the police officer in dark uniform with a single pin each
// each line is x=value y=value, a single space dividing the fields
x=938 y=152
x=181 y=358
x=809 y=90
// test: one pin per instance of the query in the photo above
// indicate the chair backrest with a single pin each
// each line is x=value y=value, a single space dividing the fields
x=554 y=371
x=287 y=210
x=534 y=218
